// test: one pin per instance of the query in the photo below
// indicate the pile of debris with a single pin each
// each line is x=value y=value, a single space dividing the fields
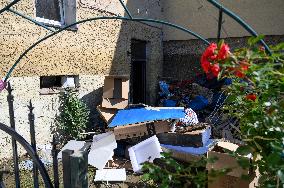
x=205 y=97
x=140 y=133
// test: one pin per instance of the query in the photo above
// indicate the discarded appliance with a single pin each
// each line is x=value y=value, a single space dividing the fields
x=146 y=114
x=102 y=149
x=115 y=92
x=195 y=138
x=71 y=145
x=110 y=175
x=145 y=151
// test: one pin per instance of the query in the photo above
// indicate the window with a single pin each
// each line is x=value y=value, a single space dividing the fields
x=56 y=13
x=54 y=84
x=50 y=12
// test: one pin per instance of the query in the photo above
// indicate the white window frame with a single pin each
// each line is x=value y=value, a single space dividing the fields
x=52 y=22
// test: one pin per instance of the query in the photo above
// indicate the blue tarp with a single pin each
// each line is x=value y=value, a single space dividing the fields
x=169 y=103
x=198 y=103
x=139 y=115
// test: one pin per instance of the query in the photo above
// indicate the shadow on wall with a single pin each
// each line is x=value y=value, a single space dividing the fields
x=92 y=100
x=142 y=63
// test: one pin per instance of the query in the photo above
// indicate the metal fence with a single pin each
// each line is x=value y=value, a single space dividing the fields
x=38 y=166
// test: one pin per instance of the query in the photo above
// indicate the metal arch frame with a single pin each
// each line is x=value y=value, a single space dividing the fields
x=102 y=18
x=30 y=151
x=240 y=21
x=129 y=18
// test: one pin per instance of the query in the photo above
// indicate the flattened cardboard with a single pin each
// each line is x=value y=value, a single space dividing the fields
x=106 y=113
x=108 y=88
x=116 y=87
x=114 y=103
x=226 y=161
x=138 y=130
x=231 y=182
x=125 y=89
x=182 y=156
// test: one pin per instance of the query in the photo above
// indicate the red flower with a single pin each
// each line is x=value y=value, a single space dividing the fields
x=239 y=74
x=205 y=65
x=251 y=97
x=244 y=65
x=2 y=85
x=215 y=69
x=207 y=56
x=210 y=52
x=223 y=52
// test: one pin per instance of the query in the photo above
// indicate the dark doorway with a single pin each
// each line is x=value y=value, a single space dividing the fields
x=138 y=72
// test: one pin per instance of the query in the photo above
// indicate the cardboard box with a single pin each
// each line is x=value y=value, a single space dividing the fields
x=116 y=87
x=231 y=182
x=106 y=113
x=225 y=160
x=115 y=103
x=232 y=179
x=182 y=156
x=139 y=130
x=195 y=138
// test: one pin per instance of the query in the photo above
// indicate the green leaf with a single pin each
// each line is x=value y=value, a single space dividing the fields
x=280 y=174
x=244 y=162
x=253 y=40
x=244 y=150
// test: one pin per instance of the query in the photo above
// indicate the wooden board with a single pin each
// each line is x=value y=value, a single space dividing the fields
x=139 y=130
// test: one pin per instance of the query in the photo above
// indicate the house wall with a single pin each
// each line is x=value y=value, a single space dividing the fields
x=265 y=16
x=97 y=49
x=182 y=52
x=182 y=58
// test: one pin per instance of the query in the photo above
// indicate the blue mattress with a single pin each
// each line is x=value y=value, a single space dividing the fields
x=144 y=114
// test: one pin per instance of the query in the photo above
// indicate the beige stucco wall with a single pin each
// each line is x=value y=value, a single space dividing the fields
x=265 y=16
x=95 y=50
x=46 y=108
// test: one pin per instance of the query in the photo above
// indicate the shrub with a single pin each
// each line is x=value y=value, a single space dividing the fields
x=74 y=116
x=256 y=97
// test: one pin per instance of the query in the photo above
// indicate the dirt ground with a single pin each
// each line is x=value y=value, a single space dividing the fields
x=26 y=176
